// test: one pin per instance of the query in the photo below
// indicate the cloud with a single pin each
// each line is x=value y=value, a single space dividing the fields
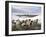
x=29 y=10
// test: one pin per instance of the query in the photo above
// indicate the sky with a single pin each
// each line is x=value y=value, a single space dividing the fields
x=25 y=10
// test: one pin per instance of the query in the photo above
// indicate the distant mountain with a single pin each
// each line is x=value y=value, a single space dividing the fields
x=27 y=15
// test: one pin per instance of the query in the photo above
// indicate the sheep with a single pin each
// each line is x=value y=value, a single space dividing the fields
x=23 y=25
x=27 y=24
x=35 y=25
x=18 y=25
x=13 y=25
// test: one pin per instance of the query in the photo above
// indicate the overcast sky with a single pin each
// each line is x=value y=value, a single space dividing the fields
x=25 y=10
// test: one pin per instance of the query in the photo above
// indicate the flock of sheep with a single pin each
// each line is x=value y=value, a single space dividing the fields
x=27 y=24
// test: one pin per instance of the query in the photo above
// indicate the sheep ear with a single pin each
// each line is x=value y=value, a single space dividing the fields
x=30 y=23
